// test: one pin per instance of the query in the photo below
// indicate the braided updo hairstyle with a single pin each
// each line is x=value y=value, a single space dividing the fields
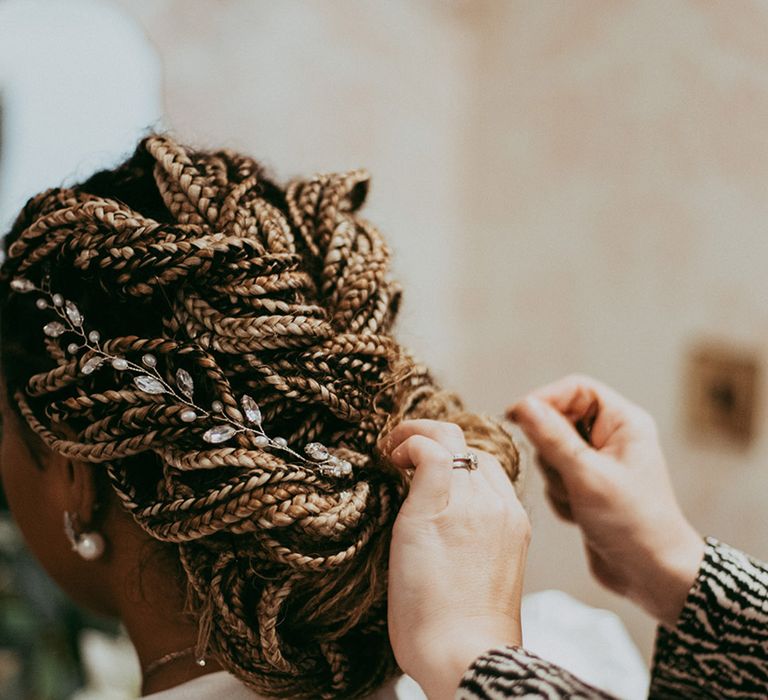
x=284 y=294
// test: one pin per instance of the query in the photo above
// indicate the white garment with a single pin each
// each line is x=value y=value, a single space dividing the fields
x=592 y=644
x=224 y=685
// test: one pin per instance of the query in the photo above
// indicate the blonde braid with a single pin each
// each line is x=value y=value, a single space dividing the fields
x=199 y=259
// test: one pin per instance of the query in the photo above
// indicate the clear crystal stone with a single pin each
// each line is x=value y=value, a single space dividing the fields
x=120 y=363
x=345 y=467
x=58 y=300
x=251 y=410
x=149 y=360
x=72 y=348
x=41 y=304
x=188 y=415
x=94 y=336
x=261 y=440
x=54 y=329
x=217 y=407
x=184 y=382
x=316 y=451
x=73 y=314
x=149 y=385
x=92 y=364
x=280 y=442
x=220 y=433
x=20 y=284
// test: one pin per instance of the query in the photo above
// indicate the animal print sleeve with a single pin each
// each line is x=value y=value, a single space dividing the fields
x=719 y=647
x=513 y=672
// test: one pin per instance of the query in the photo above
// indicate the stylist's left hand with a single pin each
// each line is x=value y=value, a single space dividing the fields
x=457 y=558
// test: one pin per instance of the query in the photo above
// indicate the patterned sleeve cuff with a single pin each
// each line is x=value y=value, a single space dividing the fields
x=719 y=646
x=514 y=672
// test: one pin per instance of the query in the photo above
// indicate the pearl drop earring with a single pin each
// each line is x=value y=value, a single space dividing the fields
x=89 y=545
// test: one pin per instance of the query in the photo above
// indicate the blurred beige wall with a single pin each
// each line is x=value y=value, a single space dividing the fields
x=312 y=86
x=567 y=187
x=617 y=208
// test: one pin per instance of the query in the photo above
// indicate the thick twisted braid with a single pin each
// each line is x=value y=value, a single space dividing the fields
x=198 y=258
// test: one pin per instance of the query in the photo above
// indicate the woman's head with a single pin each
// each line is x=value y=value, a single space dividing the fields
x=283 y=294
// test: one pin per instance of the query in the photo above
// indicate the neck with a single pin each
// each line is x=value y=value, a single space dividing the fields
x=151 y=607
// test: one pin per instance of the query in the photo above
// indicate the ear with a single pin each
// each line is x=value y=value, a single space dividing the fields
x=81 y=492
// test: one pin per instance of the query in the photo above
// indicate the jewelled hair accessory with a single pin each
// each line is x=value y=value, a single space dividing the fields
x=147 y=379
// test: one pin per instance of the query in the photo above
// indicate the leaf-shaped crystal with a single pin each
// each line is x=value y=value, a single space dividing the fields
x=220 y=433
x=149 y=385
x=73 y=313
x=54 y=329
x=251 y=410
x=20 y=284
x=316 y=451
x=92 y=364
x=184 y=382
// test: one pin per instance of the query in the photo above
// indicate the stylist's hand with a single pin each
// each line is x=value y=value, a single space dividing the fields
x=456 y=561
x=616 y=489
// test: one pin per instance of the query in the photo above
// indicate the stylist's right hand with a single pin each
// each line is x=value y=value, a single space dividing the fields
x=456 y=560
x=616 y=489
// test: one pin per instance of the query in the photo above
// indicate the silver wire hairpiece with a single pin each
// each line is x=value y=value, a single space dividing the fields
x=148 y=380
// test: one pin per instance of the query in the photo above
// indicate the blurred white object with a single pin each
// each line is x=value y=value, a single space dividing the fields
x=76 y=94
x=111 y=668
x=592 y=644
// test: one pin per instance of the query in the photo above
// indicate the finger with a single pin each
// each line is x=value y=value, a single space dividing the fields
x=431 y=484
x=578 y=388
x=556 y=439
x=450 y=435
x=576 y=395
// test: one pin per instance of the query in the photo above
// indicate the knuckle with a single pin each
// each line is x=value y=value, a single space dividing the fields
x=579 y=452
x=450 y=432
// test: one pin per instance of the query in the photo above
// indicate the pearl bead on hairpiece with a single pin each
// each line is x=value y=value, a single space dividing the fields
x=148 y=379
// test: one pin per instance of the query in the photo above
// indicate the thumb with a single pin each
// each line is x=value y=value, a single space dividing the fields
x=431 y=483
x=555 y=438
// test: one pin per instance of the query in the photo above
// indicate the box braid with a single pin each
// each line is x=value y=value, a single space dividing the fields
x=282 y=293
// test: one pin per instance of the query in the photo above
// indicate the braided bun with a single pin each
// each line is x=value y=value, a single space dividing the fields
x=200 y=259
